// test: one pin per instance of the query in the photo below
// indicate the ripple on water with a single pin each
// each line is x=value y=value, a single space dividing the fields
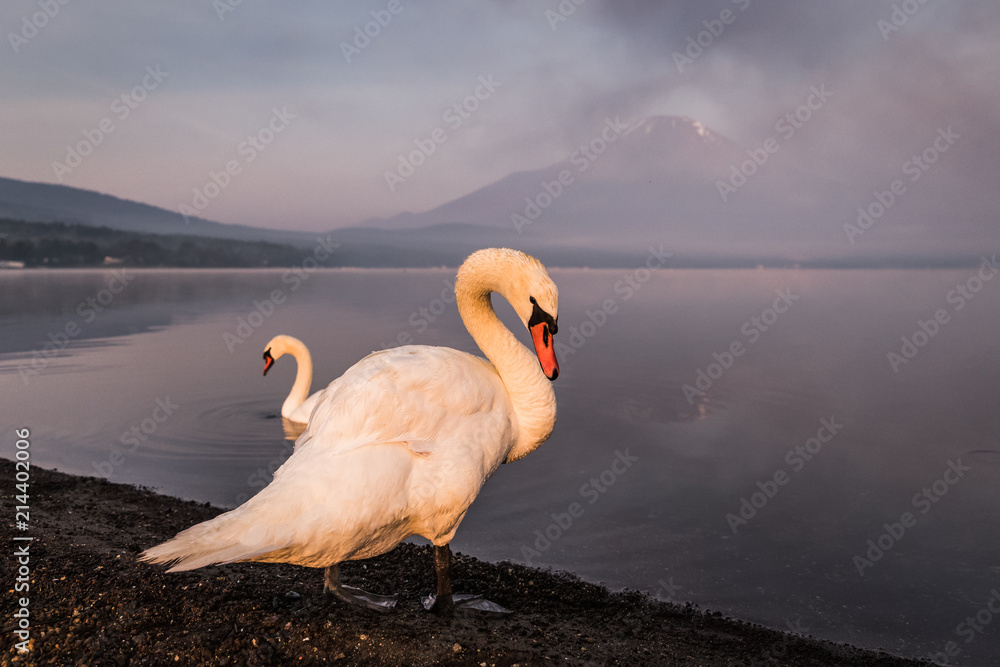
x=223 y=429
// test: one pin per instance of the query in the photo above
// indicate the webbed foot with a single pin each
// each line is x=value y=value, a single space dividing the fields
x=352 y=595
x=356 y=596
x=463 y=602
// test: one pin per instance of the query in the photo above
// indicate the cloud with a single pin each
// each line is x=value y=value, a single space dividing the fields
x=357 y=115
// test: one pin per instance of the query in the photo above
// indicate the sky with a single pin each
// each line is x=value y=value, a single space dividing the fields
x=290 y=116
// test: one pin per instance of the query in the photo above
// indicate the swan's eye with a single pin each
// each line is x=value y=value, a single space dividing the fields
x=538 y=316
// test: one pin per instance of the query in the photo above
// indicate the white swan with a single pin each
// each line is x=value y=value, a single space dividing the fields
x=402 y=443
x=296 y=407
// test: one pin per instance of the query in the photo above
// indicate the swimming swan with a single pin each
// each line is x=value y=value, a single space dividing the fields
x=296 y=407
x=401 y=444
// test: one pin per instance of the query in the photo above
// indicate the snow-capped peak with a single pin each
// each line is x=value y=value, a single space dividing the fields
x=655 y=124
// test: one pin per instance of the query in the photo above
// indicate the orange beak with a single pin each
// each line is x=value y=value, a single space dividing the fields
x=545 y=349
x=268 y=361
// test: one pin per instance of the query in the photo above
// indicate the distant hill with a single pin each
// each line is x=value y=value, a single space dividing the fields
x=439 y=244
x=59 y=245
x=434 y=245
x=44 y=202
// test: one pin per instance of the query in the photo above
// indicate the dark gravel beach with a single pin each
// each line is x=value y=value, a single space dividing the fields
x=93 y=603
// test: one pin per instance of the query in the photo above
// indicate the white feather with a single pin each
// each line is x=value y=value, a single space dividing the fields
x=399 y=445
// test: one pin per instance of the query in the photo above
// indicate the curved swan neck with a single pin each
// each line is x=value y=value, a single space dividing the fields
x=529 y=390
x=303 y=376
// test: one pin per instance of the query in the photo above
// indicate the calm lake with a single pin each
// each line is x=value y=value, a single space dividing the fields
x=738 y=439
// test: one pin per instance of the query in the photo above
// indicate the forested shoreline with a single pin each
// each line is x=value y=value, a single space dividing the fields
x=60 y=245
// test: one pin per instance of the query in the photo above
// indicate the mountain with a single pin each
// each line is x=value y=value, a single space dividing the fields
x=654 y=149
x=656 y=180
x=662 y=181
x=671 y=180
x=44 y=202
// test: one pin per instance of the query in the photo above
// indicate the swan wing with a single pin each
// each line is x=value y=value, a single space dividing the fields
x=419 y=395
x=319 y=509
x=400 y=445
x=301 y=414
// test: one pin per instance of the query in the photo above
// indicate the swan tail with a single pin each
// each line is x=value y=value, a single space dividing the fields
x=228 y=538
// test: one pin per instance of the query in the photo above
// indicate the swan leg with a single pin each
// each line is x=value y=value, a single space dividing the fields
x=445 y=602
x=351 y=595
x=442 y=603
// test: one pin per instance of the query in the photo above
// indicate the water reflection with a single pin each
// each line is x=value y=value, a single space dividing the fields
x=292 y=429
x=621 y=390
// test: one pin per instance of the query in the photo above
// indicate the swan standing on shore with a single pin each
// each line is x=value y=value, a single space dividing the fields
x=402 y=443
x=296 y=407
